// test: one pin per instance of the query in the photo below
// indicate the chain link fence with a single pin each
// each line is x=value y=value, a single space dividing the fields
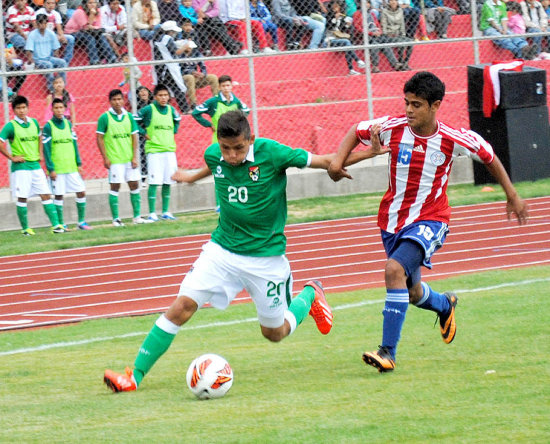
x=303 y=90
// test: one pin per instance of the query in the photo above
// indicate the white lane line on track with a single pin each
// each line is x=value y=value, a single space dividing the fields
x=238 y=321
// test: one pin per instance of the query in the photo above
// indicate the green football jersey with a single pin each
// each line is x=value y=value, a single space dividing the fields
x=252 y=197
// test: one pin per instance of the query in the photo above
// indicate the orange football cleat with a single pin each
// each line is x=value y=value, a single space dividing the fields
x=380 y=359
x=320 y=310
x=447 y=323
x=120 y=383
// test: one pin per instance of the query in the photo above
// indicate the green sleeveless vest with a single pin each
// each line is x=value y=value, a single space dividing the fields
x=160 y=132
x=118 y=140
x=63 y=155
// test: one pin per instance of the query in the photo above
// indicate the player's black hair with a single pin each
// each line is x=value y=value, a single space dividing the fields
x=233 y=124
x=160 y=87
x=19 y=100
x=58 y=100
x=426 y=85
x=224 y=78
x=115 y=92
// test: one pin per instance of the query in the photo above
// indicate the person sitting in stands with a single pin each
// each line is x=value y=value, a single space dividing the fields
x=286 y=17
x=494 y=22
x=375 y=36
x=392 y=20
x=85 y=26
x=145 y=18
x=259 y=11
x=438 y=16
x=339 y=33
x=55 y=24
x=210 y=25
x=232 y=14
x=114 y=21
x=20 y=20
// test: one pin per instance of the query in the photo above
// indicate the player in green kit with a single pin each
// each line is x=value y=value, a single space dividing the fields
x=63 y=163
x=160 y=122
x=27 y=177
x=117 y=140
x=216 y=106
x=247 y=249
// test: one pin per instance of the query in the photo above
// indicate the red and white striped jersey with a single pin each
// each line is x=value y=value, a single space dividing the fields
x=419 y=169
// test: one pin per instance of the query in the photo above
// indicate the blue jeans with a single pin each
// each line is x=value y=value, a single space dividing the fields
x=536 y=40
x=318 y=29
x=49 y=63
x=18 y=41
x=350 y=55
x=272 y=29
x=69 y=49
x=146 y=34
x=513 y=45
x=97 y=49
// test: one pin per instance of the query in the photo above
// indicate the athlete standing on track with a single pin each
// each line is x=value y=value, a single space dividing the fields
x=414 y=212
x=247 y=249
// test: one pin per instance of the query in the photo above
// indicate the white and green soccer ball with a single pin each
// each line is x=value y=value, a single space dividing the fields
x=209 y=376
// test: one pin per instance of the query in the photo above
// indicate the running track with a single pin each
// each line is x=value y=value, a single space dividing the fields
x=143 y=277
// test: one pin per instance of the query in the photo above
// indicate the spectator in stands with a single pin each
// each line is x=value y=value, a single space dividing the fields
x=232 y=14
x=393 y=26
x=13 y=64
x=286 y=17
x=20 y=20
x=438 y=16
x=375 y=36
x=55 y=24
x=309 y=11
x=218 y=105
x=189 y=18
x=114 y=21
x=414 y=20
x=210 y=25
x=195 y=75
x=259 y=11
x=516 y=24
x=169 y=11
x=146 y=18
x=85 y=26
x=42 y=49
x=63 y=163
x=128 y=71
x=494 y=22
x=59 y=92
x=339 y=31
x=535 y=19
x=169 y=74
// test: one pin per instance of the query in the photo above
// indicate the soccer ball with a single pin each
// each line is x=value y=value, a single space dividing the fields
x=209 y=376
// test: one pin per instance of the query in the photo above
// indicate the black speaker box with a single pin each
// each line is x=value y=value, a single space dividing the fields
x=520 y=138
x=518 y=89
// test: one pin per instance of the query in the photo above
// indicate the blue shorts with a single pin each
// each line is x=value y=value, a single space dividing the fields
x=414 y=245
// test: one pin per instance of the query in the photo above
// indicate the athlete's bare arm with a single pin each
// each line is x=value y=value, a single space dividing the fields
x=185 y=176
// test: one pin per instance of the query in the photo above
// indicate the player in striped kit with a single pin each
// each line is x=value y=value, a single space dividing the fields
x=414 y=212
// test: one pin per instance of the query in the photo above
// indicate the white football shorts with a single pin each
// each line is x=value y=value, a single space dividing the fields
x=161 y=167
x=67 y=183
x=28 y=183
x=124 y=172
x=218 y=276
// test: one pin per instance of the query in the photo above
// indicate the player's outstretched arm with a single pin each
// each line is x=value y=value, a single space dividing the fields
x=185 y=176
x=515 y=204
x=336 y=169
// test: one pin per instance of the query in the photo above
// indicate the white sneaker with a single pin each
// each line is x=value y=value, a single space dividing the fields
x=118 y=223
x=352 y=72
x=361 y=64
x=141 y=220
x=153 y=217
x=267 y=50
x=244 y=51
x=167 y=216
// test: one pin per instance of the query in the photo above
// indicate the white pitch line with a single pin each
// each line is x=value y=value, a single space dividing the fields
x=238 y=321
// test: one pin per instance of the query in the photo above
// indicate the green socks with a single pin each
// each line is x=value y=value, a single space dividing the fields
x=135 y=200
x=165 y=193
x=81 y=209
x=301 y=304
x=22 y=214
x=59 y=210
x=51 y=212
x=152 y=197
x=113 y=203
x=156 y=343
